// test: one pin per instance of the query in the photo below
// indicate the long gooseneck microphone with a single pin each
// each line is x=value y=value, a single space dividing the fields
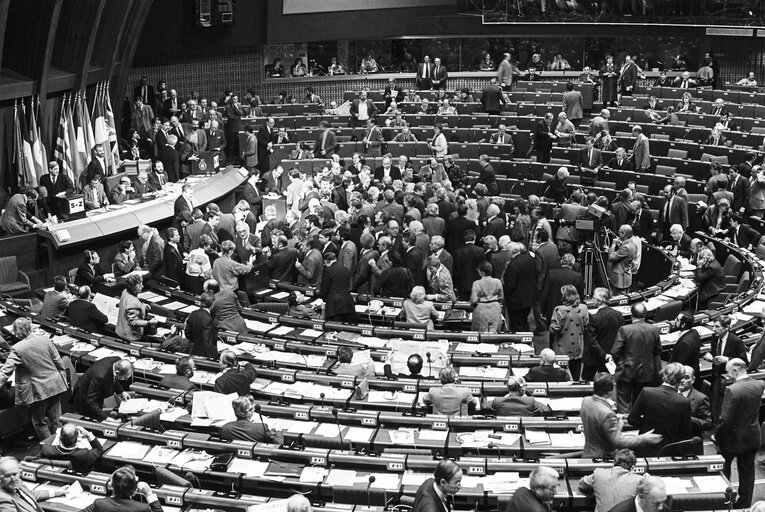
x=337 y=422
x=730 y=497
x=191 y=476
x=495 y=446
x=430 y=369
x=321 y=397
x=369 y=493
x=262 y=423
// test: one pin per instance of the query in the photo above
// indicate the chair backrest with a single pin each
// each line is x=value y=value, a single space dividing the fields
x=743 y=283
x=732 y=266
x=760 y=251
x=166 y=477
x=560 y=161
x=668 y=311
x=149 y=420
x=660 y=136
x=9 y=270
x=665 y=170
x=71 y=275
x=677 y=153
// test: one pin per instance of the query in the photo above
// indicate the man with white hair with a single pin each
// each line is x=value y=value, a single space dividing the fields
x=14 y=495
x=432 y=223
x=651 y=495
x=557 y=189
x=437 y=249
x=716 y=138
x=298 y=503
x=423 y=239
x=621 y=257
x=538 y=497
x=600 y=123
x=500 y=258
x=495 y=224
x=547 y=371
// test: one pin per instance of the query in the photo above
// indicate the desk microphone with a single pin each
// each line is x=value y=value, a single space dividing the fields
x=430 y=369
x=300 y=353
x=495 y=446
x=191 y=477
x=369 y=493
x=730 y=497
x=339 y=429
x=262 y=423
x=321 y=397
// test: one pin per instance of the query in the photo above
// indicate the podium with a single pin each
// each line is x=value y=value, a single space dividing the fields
x=208 y=162
x=70 y=207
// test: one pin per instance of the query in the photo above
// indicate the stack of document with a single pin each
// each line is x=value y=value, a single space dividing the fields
x=537 y=437
x=503 y=483
x=567 y=440
x=129 y=450
x=104 y=352
x=75 y=497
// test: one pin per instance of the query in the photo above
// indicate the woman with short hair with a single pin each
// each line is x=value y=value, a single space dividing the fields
x=568 y=326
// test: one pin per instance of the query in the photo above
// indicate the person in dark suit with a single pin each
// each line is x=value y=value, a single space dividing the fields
x=636 y=353
x=281 y=263
x=216 y=141
x=183 y=207
x=738 y=430
x=265 y=144
x=725 y=346
x=82 y=459
x=56 y=183
x=234 y=378
x=105 y=378
x=362 y=109
x=172 y=258
x=742 y=235
x=424 y=74
x=335 y=290
x=466 y=260
x=244 y=429
x=601 y=334
x=272 y=181
x=515 y=402
x=709 y=277
x=97 y=165
x=455 y=230
x=413 y=259
x=620 y=161
x=94 y=194
x=325 y=143
x=171 y=160
x=492 y=98
x=487 y=176
x=184 y=370
x=663 y=410
x=520 y=286
x=200 y=329
x=434 y=494
x=687 y=349
x=393 y=92
x=89 y=272
x=538 y=496
x=56 y=300
x=125 y=485
x=701 y=409
x=84 y=315
x=674 y=210
x=543 y=138
x=652 y=493
x=250 y=150
x=145 y=91
x=556 y=278
x=440 y=75
x=386 y=169
x=740 y=187
x=547 y=371
x=679 y=243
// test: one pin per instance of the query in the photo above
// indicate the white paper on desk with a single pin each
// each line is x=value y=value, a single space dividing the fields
x=742 y=316
x=160 y=455
x=671 y=337
x=146 y=295
x=361 y=308
x=484 y=348
x=569 y=403
x=711 y=483
x=362 y=357
x=155 y=299
x=506 y=439
x=281 y=330
x=537 y=436
x=402 y=436
x=62 y=340
x=174 y=305
x=382 y=397
x=358 y=434
x=109 y=306
x=74 y=490
x=754 y=307
x=76 y=502
x=147 y=365
x=189 y=309
x=129 y=450
x=522 y=347
x=705 y=331
x=298 y=389
x=488 y=372
x=167 y=369
x=201 y=377
x=104 y=352
x=302 y=427
x=432 y=435
x=328 y=430
x=676 y=485
x=519 y=371
x=415 y=479
x=256 y=326
x=198 y=402
x=219 y=408
x=311 y=333
x=382 y=480
x=567 y=440
x=313 y=474
x=276 y=388
x=340 y=477
x=280 y=295
x=133 y=406
x=173 y=414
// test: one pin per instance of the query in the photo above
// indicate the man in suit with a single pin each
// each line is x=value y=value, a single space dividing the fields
x=601 y=334
x=184 y=370
x=200 y=330
x=145 y=91
x=325 y=144
x=621 y=258
x=216 y=141
x=14 y=495
x=684 y=81
x=674 y=210
x=538 y=496
x=244 y=428
x=57 y=185
x=170 y=159
x=105 y=378
x=335 y=290
x=573 y=104
x=56 y=300
x=84 y=315
x=641 y=154
x=516 y=402
x=543 y=138
x=701 y=410
x=487 y=176
x=362 y=277
x=393 y=92
x=439 y=75
x=424 y=74
x=620 y=162
x=250 y=150
x=611 y=486
x=97 y=165
x=387 y=170
x=740 y=187
x=556 y=278
x=234 y=378
x=590 y=161
x=742 y=235
x=449 y=399
x=272 y=181
x=89 y=272
x=520 y=286
x=373 y=139
x=362 y=110
x=725 y=346
x=547 y=371
x=183 y=206
x=651 y=495
x=466 y=260
x=413 y=260
x=39 y=377
x=94 y=194
x=679 y=243
x=663 y=410
x=709 y=277
x=738 y=430
x=152 y=250
x=172 y=258
x=687 y=349
x=281 y=263
x=602 y=430
x=492 y=98
x=636 y=353
x=125 y=485
x=82 y=459
x=265 y=144
x=141 y=117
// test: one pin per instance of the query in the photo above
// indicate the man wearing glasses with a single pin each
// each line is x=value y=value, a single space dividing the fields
x=14 y=495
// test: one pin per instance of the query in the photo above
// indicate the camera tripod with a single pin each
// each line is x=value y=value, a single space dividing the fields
x=592 y=260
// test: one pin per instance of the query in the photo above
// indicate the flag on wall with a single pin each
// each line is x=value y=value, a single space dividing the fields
x=104 y=129
x=82 y=120
x=78 y=161
x=39 y=155
x=23 y=162
x=62 y=152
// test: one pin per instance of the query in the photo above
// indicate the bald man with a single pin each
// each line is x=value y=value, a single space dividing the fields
x=108 y=377
x=547 y=371
x=14 y=496
x=82 y=459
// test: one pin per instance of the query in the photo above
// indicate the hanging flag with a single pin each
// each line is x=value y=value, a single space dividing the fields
x=77 y=158
x=38 y=150
x=87 y=128
x=26 y=169
x=114 y=151
x=62 y=151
